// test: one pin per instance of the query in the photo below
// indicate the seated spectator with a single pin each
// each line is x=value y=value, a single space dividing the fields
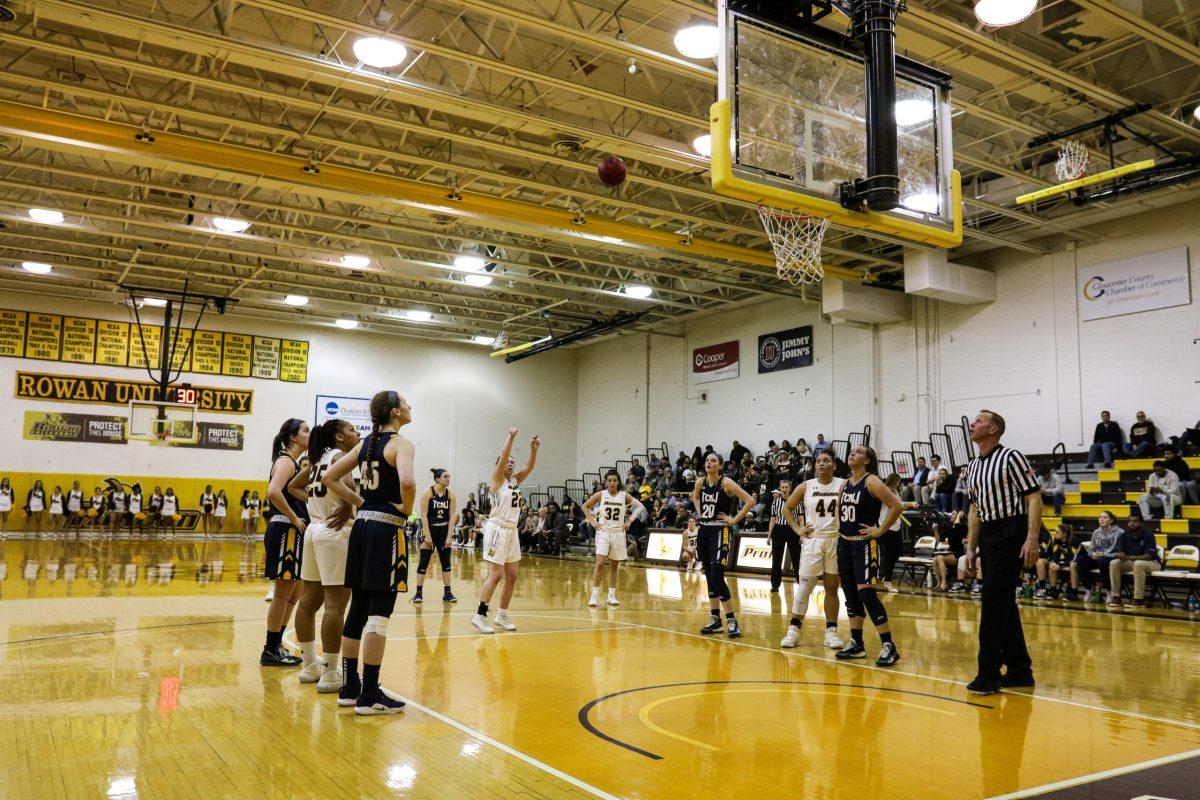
x=1136 y=553
x=1188 y=440
x=1189 y=490
x=1142 y=437
x=821 y=446
x=802 y=449
x=637 y=472
x=959 y=501
x=645 y=491
x=1053 y=491
x=738 y=452
x=1097 y=555
x=954 y=534
x=965 y=574
x=912 y=492
x=943 y=490
x=1054 y=564
x=1162 y=492
x=1105 y=440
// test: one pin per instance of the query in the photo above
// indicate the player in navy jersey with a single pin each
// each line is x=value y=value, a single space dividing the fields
x=377 y=555
x=439 y=512
x=284 y=538
x=858 y=554
x=715 y=498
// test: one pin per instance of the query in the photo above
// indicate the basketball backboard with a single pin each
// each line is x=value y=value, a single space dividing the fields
x=789 y=127
x=162 y=423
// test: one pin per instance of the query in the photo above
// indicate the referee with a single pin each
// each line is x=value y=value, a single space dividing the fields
x=1003 y=526
x=782 y=538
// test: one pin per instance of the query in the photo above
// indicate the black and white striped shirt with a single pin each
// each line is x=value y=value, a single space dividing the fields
x=998 y=482
x=777 y=509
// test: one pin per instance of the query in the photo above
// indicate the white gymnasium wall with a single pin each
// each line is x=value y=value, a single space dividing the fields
x=463 y=403
x=1027 y=356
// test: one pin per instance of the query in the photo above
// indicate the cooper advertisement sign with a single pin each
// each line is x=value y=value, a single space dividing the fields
x=1143 y=283
x=717 y=362
x=785 y=349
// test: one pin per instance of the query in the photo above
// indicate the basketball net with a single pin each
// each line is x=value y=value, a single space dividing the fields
x=1072 y=161
x=501 y=341
x=796 y=241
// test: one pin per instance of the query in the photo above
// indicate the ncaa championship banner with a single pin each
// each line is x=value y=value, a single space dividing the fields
x=785 y=349
x=356 y=410
x=1142 y=283
x=717 y=362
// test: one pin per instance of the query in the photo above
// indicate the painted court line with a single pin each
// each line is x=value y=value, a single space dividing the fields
x=480 y=736
x=1096 y=776
x=498 y=636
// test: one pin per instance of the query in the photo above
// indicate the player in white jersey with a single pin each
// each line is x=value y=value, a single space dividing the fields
x=611 y=523
x=501 y=546
x=818 y=551
x=323 y=562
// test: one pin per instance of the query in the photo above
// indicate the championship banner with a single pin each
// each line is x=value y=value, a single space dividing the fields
x=53 y=426
x=109 y=391
x=216 y=436
x=785 y=349
x=355 y=410
x=717 y=362
x=1142 y=283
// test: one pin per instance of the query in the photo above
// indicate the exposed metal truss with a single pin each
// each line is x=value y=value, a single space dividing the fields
x=513 y=101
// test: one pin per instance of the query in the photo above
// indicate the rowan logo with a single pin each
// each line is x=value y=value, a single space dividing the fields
x=54 y=428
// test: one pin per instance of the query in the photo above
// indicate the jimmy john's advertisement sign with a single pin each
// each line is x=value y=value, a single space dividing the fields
x=116 y=392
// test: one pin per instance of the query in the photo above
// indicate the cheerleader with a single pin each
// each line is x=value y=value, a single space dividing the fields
x=220 y=509
x=377 y=553
x=6 y=503
x=35 y=507
x=170 y=510
x=75 y=507
x=58 y=510
x=244 y=502
x=117 y=501
x=95 y=510
x=137 y=516
x=284 y=539
x=208 y=503
x=255 y=505
x=154 y=508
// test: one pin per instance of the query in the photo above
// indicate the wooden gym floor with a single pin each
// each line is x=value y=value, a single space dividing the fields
x=130 y=671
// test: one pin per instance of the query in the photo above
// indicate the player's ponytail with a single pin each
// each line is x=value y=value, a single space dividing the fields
x=872 y=461
x=287 y=430
x=382 y=406
x=323 y=438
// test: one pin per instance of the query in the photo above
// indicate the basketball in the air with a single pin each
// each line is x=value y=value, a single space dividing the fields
x=612 y=171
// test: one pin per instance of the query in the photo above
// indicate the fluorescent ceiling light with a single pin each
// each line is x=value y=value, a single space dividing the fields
x=999 y=13
x=703 y=145
x=229 y=224
x=638 y=291
x=49 y=216
x=477 y=280
x=36 y=267
x=913 y=112
x=470 y=263
x=156 y=302
x=296 y=300
x=929 y=202
x=347 y=324
x=378 y=52
x=488 y=340
x=1196 y=113
x=355 y=262
x=418 y=315
x=697 y=41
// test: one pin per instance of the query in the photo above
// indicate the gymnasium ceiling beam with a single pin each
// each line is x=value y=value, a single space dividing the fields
x=1144 y=29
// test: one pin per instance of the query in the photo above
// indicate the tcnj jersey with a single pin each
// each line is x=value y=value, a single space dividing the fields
x=611 y=512
x=322 y=503
x=821 y=505
x=506 y=505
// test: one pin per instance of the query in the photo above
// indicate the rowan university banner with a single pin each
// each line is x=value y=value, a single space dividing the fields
x=785 y=349
x=1143 y=283
x=114 y=392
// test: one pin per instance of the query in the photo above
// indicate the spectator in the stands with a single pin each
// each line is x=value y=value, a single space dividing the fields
x=1053 y=491
x=1189 y=488
x=1162 y=492
x=802 y=449
x=1136 y=552
x=954 y=534
x=1142 y=437
x=773 y=452
x=943 y=490
x=913 y=491
x=1097 y=555
x=1054 y=564
x=645 y=491
x=1105 y=440
x=821 y=446
x=697 y=455
x=637 y=471
x=738 y=452
x=959 y=502
x=1189 y=439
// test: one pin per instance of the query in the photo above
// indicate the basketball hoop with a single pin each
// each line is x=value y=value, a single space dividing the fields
x=1072 y=161
x=501 y=341
x=796 y=241
x=162 y=437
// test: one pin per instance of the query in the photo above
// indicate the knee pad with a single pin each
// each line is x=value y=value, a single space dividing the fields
x=444 y=557
x=718 y=589
x=804 y=588
x=874 y=606
x=377 y=625
x=854 y=603
x=423 y=561
x=356 y=619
